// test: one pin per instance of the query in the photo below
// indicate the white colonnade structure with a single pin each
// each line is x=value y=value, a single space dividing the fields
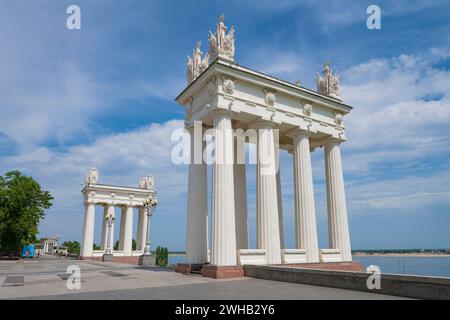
x=127 y=199
x=241 y=106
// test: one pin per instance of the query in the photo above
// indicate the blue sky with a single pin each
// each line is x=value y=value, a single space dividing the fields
x=104 y=96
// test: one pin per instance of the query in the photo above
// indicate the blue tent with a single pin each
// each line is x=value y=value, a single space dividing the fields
x=25 y=250
x=31 y=249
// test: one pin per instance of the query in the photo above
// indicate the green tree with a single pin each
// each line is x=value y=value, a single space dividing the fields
x=133 y=244
x=22 y=205
x=116 y=245
x=72 y=247
x=162 y=256
x=158 y=255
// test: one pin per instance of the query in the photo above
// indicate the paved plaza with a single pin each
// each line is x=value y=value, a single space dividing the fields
x=46 y=279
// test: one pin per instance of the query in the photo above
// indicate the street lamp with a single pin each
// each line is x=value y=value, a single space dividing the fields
x=149 y=206
x=110 y=217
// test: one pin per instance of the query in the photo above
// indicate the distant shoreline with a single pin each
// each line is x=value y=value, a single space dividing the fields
x=418 y=255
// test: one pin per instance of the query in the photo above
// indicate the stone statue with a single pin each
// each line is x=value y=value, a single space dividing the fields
x=213 y=50
x=328 y=83
x=222 y=44
x=146 y=183
x=197 y=64
x=92 y=176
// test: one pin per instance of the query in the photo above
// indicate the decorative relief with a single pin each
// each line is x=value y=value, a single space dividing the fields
x=289 y=115
x=92 y=176
x=270 y=98
x=189 y=108
x=197 y=64
x=271 y=109
x=307 y=110
x=221 y=44
x=338 y=119
x=228 y=86
x=328 y=83
x=212 y=87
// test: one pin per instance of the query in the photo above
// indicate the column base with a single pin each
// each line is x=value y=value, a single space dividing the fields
x=222 y=272
x=188 y=268
x=107 y=258
x=147 y=261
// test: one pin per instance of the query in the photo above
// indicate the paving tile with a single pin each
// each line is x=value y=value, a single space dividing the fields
x=13 y=281
x=114 y=274
x=64 y=276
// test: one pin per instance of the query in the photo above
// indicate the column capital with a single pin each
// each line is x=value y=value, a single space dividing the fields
x=296 y=132
x=89 y=202
x=332 y=141
x=195 y=125
x=126 y=206
x=262 y=124
x=220 y=113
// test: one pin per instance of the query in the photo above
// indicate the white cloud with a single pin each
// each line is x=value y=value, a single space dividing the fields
x=395 y=115
x=121 y=159
x=55 y=82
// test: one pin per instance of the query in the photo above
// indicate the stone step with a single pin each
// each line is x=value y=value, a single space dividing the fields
x=197 y=269
x=198 y=272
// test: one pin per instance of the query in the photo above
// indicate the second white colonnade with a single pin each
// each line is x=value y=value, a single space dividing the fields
x=110 y=197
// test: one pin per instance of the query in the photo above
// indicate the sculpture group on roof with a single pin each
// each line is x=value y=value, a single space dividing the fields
x=221 y=45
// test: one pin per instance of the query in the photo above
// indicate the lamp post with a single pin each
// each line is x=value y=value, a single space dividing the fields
x=149 y=206
x=108 y=256
x=109 y=222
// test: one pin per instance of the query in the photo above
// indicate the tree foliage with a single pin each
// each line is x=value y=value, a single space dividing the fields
x=133 y=245
x=162 y=256
x=22 y=205
x=72 y=246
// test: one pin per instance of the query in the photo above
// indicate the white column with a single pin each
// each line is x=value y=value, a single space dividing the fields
x=240 y=195
x=142 y=230
x=88 y=231
x=267 y=214
x=139 y=230
x=223 y=246
x=338 y=233
x=128 y=231
x=197 y=215
x=104 y=229
x=122 y=228
x=280 y=208
x=305 y=212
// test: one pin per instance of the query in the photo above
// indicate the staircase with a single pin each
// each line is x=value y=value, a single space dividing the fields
x=197 y=269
